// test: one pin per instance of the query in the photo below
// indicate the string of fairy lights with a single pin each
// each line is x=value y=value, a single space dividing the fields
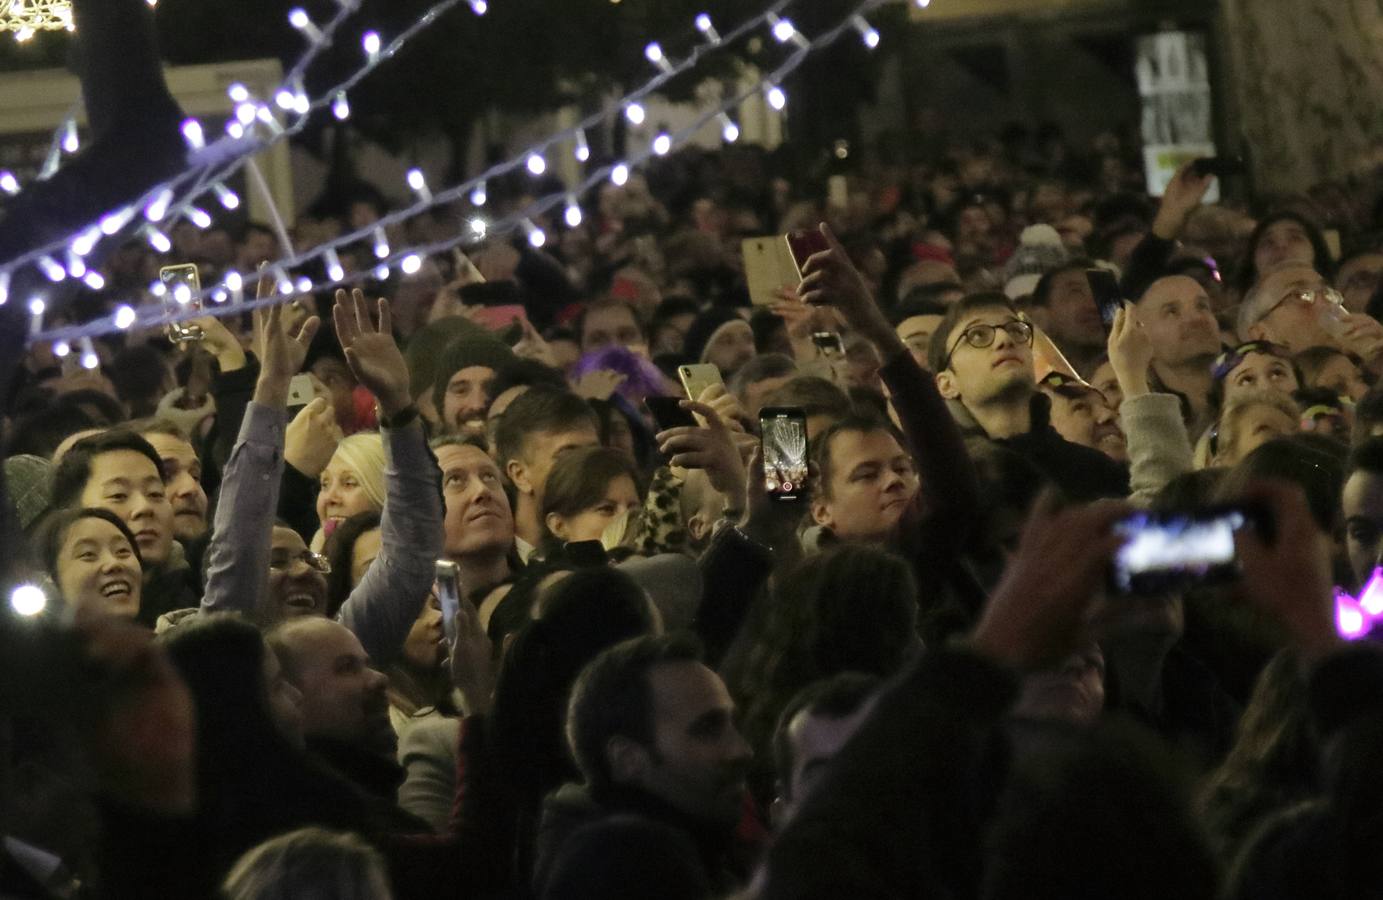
x=253 y=117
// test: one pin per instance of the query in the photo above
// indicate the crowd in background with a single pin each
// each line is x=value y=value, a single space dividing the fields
x=660 y=681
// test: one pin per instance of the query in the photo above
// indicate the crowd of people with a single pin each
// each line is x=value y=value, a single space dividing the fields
x=406 y=591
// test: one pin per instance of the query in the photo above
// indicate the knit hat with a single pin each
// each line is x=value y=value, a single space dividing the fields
x=466 y=351
x=425 y=348
x=28 y=481
x=1039 y=251
x=704 y=327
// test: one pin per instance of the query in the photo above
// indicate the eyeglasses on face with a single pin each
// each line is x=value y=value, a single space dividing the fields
x=1311 y=296
x=282 y=560
x=982 y=335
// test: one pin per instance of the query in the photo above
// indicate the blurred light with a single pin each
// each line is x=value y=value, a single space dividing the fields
x=783 y=31
x=479 y=7
x=411 y=264
x=536 y=238
x=381 y=273
x=238 y=92
x=158 y=207
x=235 y=129
x=478 y=196
x=229 y=198
x=304 y=285
x=662 y=144
x=634 y=112
x=61 y=349
x=8 y=183
x=192 y=131
x=335 y=271
x=89 y=358
x=341 y=107
x=381 y=244
x=69 y=136
x=285 y=99
x=776 y=98
x=572 y=216
x=234 y=281
x=707 y=27
x=728 y=129
x=245 y=113
x=52 y=268
x=868 y=34
x=583 y=150
x=370 y=41
x=113 y=222
x=478 y=227
x=28 y=600
x=124 y=316
x=619 y=174
x=36 y=306
x=536 y=164
x=158 y=240
x=199 y=217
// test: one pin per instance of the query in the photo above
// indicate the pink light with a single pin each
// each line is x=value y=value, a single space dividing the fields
x=1356 y=618
x=1371 y=597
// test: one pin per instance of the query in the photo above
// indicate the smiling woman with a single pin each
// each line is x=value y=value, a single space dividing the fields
x=93 y=559
x=353 y=482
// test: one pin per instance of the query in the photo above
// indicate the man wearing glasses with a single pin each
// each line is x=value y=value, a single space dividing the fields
x=1296 y=307
x=982 y=356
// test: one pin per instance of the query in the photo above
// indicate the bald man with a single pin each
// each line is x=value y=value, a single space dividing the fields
x=1176 y=314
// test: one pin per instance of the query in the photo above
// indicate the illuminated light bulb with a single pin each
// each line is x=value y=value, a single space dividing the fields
x=237 y=92
x=124 y=316
x=264 y=115
x=707 y=27
x=573 y=213
x=94 y=280
x=728 y=129
x=158 y=207
x=411 y=264
x=113 y=222
x=8 y=183
x=654 y=53
x=199 y=217
x=776 y=98
x=89 y=358
x=782 y=29
x=302 y=104
x=75 y=266
x=868 y=34
x=381 y=273
x=478 y=227
x=36 y=306
x=285 y=99
x=182 y=294
x=381 y=244
x=370 y=41
x=85 y=242
x=245 y=113
x=634 y=112
x=922 y=4
x=418 y=183
x=341 y=107
x=158 y=240
x=285 y=284
x=479 y=7
x=662 y=144
x=61 y=349
x=219 y=295
x=52 y=268
x=536 y=238
x=234 y=281
x=536 y=164
x=335 y=271
x=478 y=196
x=158 y=289
x=583 y=150
x=299 y=19
x=229 y=198
x=28 y=600
x=619 y=174
x=4 y=288
x=304 y=285
x=70 y=142
x=235 y=129
x=193 y=134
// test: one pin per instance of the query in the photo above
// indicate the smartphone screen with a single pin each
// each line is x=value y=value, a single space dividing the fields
x=668 y=413
x=1172 y=551
x=181 y=285
x=1108 y=297
x=696 y=378
x=803 y=243
x=448 y=595
x=829 y=343
x=783 y=443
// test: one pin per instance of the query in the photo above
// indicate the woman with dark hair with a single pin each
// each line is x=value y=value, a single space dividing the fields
x=587 y=489
x=517 y=754
x=93 y=559
x=350 y=549
x=852 y=608
x=1284 y=236
x=254 y=779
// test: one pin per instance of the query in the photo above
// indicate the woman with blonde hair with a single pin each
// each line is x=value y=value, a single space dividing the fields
x=352 y=483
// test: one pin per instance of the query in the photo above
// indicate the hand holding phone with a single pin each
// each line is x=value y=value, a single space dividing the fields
x=1172 y=551
x=181 y=284
x=802 y=244
x=668 y=413
x=447 y=576
x=697 y=378
x=1108 y=297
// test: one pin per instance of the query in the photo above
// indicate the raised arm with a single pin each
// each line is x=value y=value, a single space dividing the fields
x=242 y=534
x=383 y=607
x=1159 y=448
x=947 y=472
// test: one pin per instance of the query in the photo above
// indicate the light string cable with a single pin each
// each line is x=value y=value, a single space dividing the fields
x=210 y=164
x=160 y=202
x=410 y=258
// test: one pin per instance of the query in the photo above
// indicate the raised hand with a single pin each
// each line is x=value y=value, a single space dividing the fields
x=472 y=662
x=1182 y=195
x=598 y=384
x=311 y=438
x=281 y=353
x=220 y=343
x=1130 y=352
x=1038 y=613
x=711 y=448
x=829 y=277
x=371 y=352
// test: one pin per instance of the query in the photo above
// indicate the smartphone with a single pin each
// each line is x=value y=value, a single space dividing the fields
x=300 y=393
x=1219 y=166
x=1173 y=551
x=1108 y=297
x=181 y=285
x=783 y=445
x=696 y=378
x=668 y=413
x=802 y=244
x=585 y=554
x=829 y=343
x=448 y=581
x=768 y=267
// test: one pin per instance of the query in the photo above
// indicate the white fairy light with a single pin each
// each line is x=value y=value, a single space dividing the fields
x=662 y=144
x=411 y=264
x=728 y=129
x=776 y=98
x=28 y=600
x=89 y=358
x=158 y=207
x=478 y=227
x=157 y=239
x=299 y=19
x=418 y=182
x=635 y=113
x=8 y=183
x=124 y=316
x=193 y=134
x=381 y=244
x=381 y=273
x=70 y=142
x=199 y=217
x=536 y=164
x=868 y=33
x=303 y=285
x=61 y=349
x=370 y=41
x=583 y=149
x=478 y=196
x=654 y=54
x=479 y=7
x=52 y=269
x=536 y=238
x=238 y=93
x=572 y=216
x=229 y=198
x=341 y=107
x=335 y=271
x=707 y=27
x=619 y=174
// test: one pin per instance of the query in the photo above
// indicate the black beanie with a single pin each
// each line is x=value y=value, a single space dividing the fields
x=703 y=328
x=468 y=350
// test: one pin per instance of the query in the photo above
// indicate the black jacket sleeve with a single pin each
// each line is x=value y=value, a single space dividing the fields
x=733 y=570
